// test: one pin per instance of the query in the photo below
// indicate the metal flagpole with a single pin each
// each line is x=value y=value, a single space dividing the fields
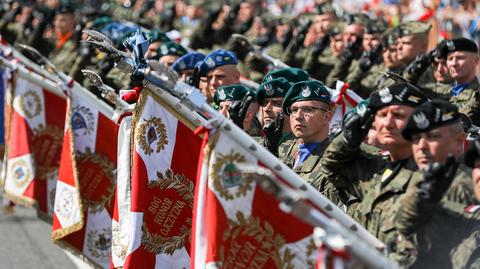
x=193 y=99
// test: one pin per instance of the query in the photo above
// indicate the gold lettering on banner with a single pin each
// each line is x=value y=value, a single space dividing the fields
x=251 y=243
x=166 y=211
x=47 y=147
x=97 y=179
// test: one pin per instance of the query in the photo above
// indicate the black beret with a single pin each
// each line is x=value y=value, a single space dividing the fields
x=397 y=94
x=458 y=44
x=429 y=116
x=233 y=92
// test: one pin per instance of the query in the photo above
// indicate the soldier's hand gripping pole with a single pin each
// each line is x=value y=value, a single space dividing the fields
x=258 y=53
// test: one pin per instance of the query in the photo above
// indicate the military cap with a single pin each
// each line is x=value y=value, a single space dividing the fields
x=171 y=48
x=326 y=8
x=458 y=44
x=429 y=116
x=472 y=153
x=291 y=74
x=389 y=37
x=357 y=18
x=413 y=28
x=188 y=61
x=234 y=92
x=216 y=59
x=335 y=29
x=305 y=90
x=273 y=88
x=156 y=35
x=397 y=94
x=99 y=23
x=376 y=26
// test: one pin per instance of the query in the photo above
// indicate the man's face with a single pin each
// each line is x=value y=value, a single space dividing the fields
x=352 y=32
x=336 y=44
x=221 y=76
x=390 y=59
x=203 y=87
x=273 y=107
x=322 y=22
x=389 y=121
x=440 y=71
x=409 y=47
x=309 y=119
x=435 y=145
x=64 y=23
x=247 y=11
x=370 y=41
x=462 y=65
x=281 y=30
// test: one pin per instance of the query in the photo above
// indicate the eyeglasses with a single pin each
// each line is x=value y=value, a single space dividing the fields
x=307 y=110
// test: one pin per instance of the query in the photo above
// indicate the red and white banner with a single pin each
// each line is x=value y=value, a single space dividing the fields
x=165 y=157
x=236 y=223
x=121 y=211
x=86 y=182
x=35 y=121
x=344 y=100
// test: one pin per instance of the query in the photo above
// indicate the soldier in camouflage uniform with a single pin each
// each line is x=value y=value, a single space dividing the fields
x=276 y=125
x=308 y=105
x=374 y=183
x=367 y=72
x=288 y=146
x=462 y=61
x=432 y=224
x=352 y=35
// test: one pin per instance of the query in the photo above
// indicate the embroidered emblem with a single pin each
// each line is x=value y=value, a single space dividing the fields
x=64 y=203
x=98 y=179
x=210 y=62
x=47 y=148
x=450 y=45
x=421 y=120
x=82 y=121
x=151 y=131
x=269 y=90
x=221 y=95
x=118 y=249
x=30 y=104
x=226 y=175
x=21 y=173
x=170 y=225
x=258 y=242
x=306 y=91
x=385 y=95
x=99 y=243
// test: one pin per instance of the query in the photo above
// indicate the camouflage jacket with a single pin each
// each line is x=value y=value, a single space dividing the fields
x=310 y=170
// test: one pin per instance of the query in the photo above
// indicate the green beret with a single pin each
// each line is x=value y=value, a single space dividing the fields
x=291 y=74
x=171 y=48
x=156 y=35
x=397 y=94
x=273 y=88
x=306 y=90
x=413 y=28
x=234 y=92
x=429 y=116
